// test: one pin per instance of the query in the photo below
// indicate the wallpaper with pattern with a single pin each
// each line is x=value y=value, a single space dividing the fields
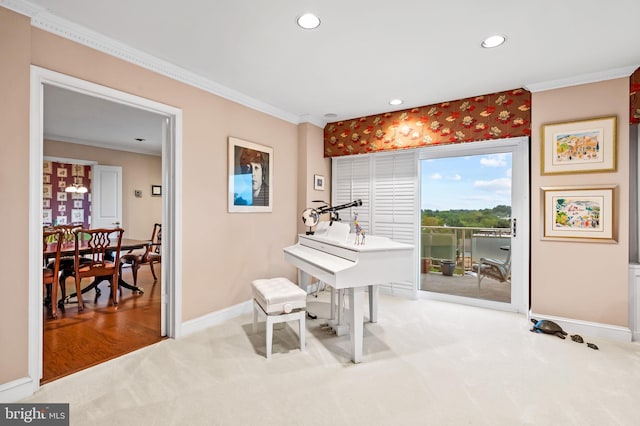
x=60 y=207
x=634 y=102
x=495 y=116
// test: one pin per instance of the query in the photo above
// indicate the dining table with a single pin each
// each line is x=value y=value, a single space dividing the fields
x=69 y=249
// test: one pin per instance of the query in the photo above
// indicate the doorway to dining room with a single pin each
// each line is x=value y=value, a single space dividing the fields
x=161 y=296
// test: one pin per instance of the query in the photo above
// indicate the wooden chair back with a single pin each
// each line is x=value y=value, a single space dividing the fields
x=50 y=274
x=68 y=231
x=100 y=251
x=152 y=254
x=156 y=238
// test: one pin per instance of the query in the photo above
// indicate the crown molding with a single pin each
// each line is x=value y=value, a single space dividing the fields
x=582 y=79
x=42 y=19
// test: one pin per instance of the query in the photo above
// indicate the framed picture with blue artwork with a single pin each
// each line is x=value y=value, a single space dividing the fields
x=250 y=177
x=579 y=213
x=582 y=146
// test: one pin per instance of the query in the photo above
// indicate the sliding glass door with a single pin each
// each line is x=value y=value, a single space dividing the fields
x=473 y=202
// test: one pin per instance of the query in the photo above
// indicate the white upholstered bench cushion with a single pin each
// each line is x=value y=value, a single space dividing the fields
x=278 y=295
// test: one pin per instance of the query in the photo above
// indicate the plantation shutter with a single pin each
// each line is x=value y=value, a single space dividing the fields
x=351 y=182
x=395 y=205
x=387 y=184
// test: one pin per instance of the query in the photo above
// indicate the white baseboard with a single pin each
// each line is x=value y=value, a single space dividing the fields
x=591 y=329
x=16 y=390
x=216 y=318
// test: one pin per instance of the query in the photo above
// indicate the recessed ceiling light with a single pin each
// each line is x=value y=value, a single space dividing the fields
x=140 y=139
x=330 y=115
x=308 y=21
x=396 y=102
x=493 y=41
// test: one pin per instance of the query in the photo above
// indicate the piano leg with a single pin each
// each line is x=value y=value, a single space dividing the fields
x=356 y=300
x=373 y=303
x=337 y=321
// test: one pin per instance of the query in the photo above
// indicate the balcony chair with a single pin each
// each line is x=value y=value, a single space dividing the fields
x=151 y=255
x=100 y=246
x=499 y=270
x=51 y=271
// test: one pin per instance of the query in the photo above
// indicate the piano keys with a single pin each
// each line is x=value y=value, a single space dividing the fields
x=332 y=256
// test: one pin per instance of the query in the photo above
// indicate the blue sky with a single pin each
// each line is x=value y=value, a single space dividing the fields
x=472 y=182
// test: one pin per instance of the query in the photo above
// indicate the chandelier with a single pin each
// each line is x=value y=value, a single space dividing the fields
x=77 y=186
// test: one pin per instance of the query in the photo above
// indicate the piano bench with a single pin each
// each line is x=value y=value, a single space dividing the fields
x=281 y=301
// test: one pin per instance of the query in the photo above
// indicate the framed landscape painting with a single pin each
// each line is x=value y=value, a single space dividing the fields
x=579 y=146
x=579 y=213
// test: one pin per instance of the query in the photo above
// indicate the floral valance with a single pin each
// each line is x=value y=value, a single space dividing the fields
x=495 y=116
x=634 y=101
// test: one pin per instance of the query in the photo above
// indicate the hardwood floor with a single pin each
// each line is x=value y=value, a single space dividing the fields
x=78 y=340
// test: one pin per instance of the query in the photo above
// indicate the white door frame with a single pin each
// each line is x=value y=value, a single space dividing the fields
x=519 y=148
x=171 y=204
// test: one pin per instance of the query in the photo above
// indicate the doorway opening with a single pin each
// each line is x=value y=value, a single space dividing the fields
x=171 y=123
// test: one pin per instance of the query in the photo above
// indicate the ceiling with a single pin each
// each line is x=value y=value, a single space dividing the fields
x=364 y=53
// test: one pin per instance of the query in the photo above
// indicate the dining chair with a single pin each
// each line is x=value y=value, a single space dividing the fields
x=51 y=271
x=101 y=250
x=151 y=255
x=67 y=263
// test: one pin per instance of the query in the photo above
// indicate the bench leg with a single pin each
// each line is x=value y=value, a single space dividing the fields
x=269 y=339
x=255 y=316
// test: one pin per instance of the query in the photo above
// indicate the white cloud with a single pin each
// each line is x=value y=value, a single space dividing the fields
x=508 y=173
x=457 y=177
x=494 y=160
x=500 y=184
x=436 y=176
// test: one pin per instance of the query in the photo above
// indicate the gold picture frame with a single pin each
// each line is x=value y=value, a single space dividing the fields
x=584 y=213
x=583 y=146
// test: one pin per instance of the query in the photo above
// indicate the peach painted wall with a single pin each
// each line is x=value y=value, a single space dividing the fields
x=139 y=171
x=221 y=252
x=582 y=281
x=14 y=190
x=310 y=163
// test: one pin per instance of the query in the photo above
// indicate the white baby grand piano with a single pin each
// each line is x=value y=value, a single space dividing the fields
x=332 y=256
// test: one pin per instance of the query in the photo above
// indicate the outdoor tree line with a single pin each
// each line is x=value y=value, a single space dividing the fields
x=497 y=217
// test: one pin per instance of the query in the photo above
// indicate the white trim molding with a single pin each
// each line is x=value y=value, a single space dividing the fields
x=581 y=79
x=216 y=318
x=44 y=20
x=587 y=328
x=634 y=301
x=17 y=389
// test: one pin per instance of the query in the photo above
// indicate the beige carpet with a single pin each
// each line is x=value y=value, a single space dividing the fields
x=425 y=363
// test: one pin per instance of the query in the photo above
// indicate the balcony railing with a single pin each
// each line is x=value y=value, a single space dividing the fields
x=462 y=245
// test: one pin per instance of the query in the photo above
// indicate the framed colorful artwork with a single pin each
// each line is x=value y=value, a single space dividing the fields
x=583 y=146
x=250 y=177
x=579 y=213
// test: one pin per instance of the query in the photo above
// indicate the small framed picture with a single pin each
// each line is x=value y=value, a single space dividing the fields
x=318 y=182
x=156 y=190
